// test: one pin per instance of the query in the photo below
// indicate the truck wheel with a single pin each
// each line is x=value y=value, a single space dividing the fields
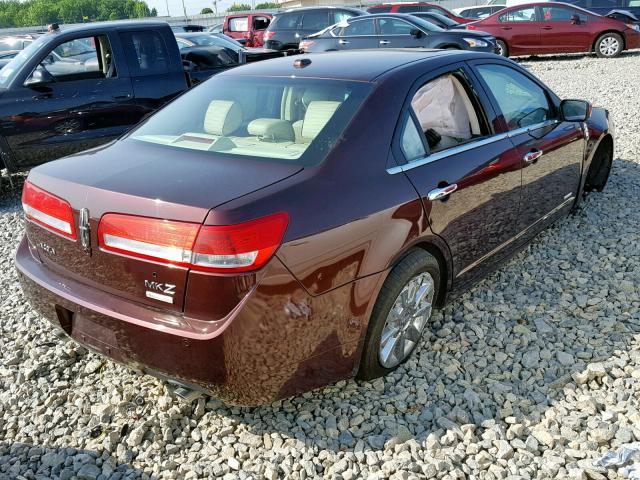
x=401 y=313
x=609 y=45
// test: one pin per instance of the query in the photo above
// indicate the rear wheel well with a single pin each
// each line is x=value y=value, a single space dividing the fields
x=595 y=41
x=442 y=265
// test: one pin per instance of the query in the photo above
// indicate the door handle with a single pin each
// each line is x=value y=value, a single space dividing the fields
x=546 y=28
x=505 y=28
x=442 y=193
x=43 y=96
x=384 y=42
x=121 y=96
x=343 y=42
x=532 y=157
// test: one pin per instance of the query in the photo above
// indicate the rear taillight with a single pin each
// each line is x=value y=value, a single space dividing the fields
x=471 y=27
x=227 y=248
x=48 y=211
x=304 y=44
x=269 y=35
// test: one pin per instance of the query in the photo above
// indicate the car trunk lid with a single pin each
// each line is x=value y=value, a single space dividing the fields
x=153 y=182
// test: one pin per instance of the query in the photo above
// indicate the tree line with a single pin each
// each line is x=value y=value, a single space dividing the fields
x=27 y=13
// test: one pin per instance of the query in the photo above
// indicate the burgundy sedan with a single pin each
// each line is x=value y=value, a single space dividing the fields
x=293 y=222
x=541 y=28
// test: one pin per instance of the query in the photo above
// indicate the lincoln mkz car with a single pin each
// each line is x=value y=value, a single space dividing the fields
x=293 y=222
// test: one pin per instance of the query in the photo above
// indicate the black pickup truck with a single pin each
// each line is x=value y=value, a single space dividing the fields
x=80 y=87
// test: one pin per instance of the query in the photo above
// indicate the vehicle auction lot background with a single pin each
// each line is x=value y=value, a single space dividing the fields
x=533 y=373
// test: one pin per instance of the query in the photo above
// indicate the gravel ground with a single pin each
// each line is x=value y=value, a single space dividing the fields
x=532 y=374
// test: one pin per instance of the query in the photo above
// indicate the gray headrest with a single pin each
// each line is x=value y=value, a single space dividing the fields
x=317 y=116
x=316 y=94
x=223 y=117
x=271 y=129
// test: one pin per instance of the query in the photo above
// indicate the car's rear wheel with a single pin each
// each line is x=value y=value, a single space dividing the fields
x=503 y=49
x=609 y=45
x=400 y=314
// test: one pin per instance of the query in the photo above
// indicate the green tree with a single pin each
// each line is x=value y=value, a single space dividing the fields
x=239 y=7
x=206 y=11
x=267 y=5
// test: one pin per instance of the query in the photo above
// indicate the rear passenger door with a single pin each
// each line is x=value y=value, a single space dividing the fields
x=563 y=30
x=153 y=65
x=361 y=33
x=466 y=172
x=550 y=150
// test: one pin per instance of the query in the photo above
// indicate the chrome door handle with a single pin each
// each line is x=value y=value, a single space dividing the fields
x=343 y=42
x=531 y=157
x=384 y=42
x=440 y=193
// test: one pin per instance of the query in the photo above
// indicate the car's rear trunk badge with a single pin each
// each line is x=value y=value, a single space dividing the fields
x=84 y=230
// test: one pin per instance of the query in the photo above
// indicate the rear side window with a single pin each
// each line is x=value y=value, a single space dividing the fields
x=520 y=15
x=607 y=3
x=557 y=14
x=522 y=101
x=341 y=15
x=393 y=26
x=239 y=24
x=287 y=21
x=146 y=53
x=408 y=9
x=411 y=141
x=357 y=28
x=315 y=20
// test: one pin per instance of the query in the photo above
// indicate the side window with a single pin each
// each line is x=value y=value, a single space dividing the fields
x=341 y=15
x=557 y=14
x=446 y=113
x=520 y=15
x=358 y=28
x=379 y=10
x=411 y=141
x=431 y=10
x=408 y=9
x=78 y=59
x=260 y=23
x=393 y=26
x=146 y=52
x=522 y=101
x=239 y=24
x=315 y=20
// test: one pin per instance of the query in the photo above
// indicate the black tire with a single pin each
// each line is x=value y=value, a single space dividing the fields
x=599 y=169
x=416 y=262
x=504 y=49
x=604 y=45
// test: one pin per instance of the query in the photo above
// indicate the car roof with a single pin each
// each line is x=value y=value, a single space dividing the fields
x=126 y=24
x=406 y=16
x=545 y=4
x=354 y=65
x=329 y=7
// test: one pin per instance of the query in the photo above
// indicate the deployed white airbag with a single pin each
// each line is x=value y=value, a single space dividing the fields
x=439 y=106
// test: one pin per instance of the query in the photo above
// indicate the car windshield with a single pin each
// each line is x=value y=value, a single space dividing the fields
x=9 y=72
x=283 y=119
x=428 y=26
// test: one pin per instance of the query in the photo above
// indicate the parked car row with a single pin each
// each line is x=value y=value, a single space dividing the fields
x=254 y=240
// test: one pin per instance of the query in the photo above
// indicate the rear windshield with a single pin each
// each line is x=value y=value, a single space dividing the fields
x=279 y=119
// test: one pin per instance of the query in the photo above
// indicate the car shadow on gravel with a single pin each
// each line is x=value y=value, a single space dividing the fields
x=521 y=340
x=24 y=460
x=565 y=57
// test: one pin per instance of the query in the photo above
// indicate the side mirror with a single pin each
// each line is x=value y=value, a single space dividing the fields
x=38 y=78
x=416 y=33
x=575 y=110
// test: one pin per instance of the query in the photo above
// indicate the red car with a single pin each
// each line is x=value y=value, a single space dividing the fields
x=294 y=222
x=416 y=7
x=540 y=28
x=247 y=28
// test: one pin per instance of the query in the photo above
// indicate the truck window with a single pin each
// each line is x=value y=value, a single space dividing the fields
x=146 y=53
x=239 y=24
x=79 y=59
x=260 y=23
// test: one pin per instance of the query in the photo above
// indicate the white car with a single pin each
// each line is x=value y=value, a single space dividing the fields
x=478 y=12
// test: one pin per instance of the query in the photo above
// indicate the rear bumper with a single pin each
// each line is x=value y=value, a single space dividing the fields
x=279 y=341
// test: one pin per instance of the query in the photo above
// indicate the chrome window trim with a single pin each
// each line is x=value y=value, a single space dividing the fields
x=434 y=157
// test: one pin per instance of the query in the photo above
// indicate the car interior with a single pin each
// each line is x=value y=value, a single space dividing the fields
x=237 y=124
x=80 y=59
x=446 y=113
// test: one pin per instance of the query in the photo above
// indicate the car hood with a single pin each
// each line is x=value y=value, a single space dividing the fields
x=470 y=33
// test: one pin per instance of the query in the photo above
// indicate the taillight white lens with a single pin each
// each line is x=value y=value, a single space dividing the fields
x=227 y=248
x=48 y=211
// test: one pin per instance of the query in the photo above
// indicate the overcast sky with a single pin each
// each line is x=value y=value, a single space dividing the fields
x=193 y=6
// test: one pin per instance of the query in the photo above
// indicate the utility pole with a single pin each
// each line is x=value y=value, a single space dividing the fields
x=168 y=14
x=184 y=9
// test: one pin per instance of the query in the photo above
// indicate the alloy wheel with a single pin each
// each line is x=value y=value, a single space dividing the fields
x=406 y=320
x=609 y=46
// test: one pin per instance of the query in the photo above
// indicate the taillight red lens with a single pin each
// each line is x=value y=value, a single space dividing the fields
x=471 y=27
x=239 y=248
x=269 y=35
x=228 y=248
x=48 y=211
